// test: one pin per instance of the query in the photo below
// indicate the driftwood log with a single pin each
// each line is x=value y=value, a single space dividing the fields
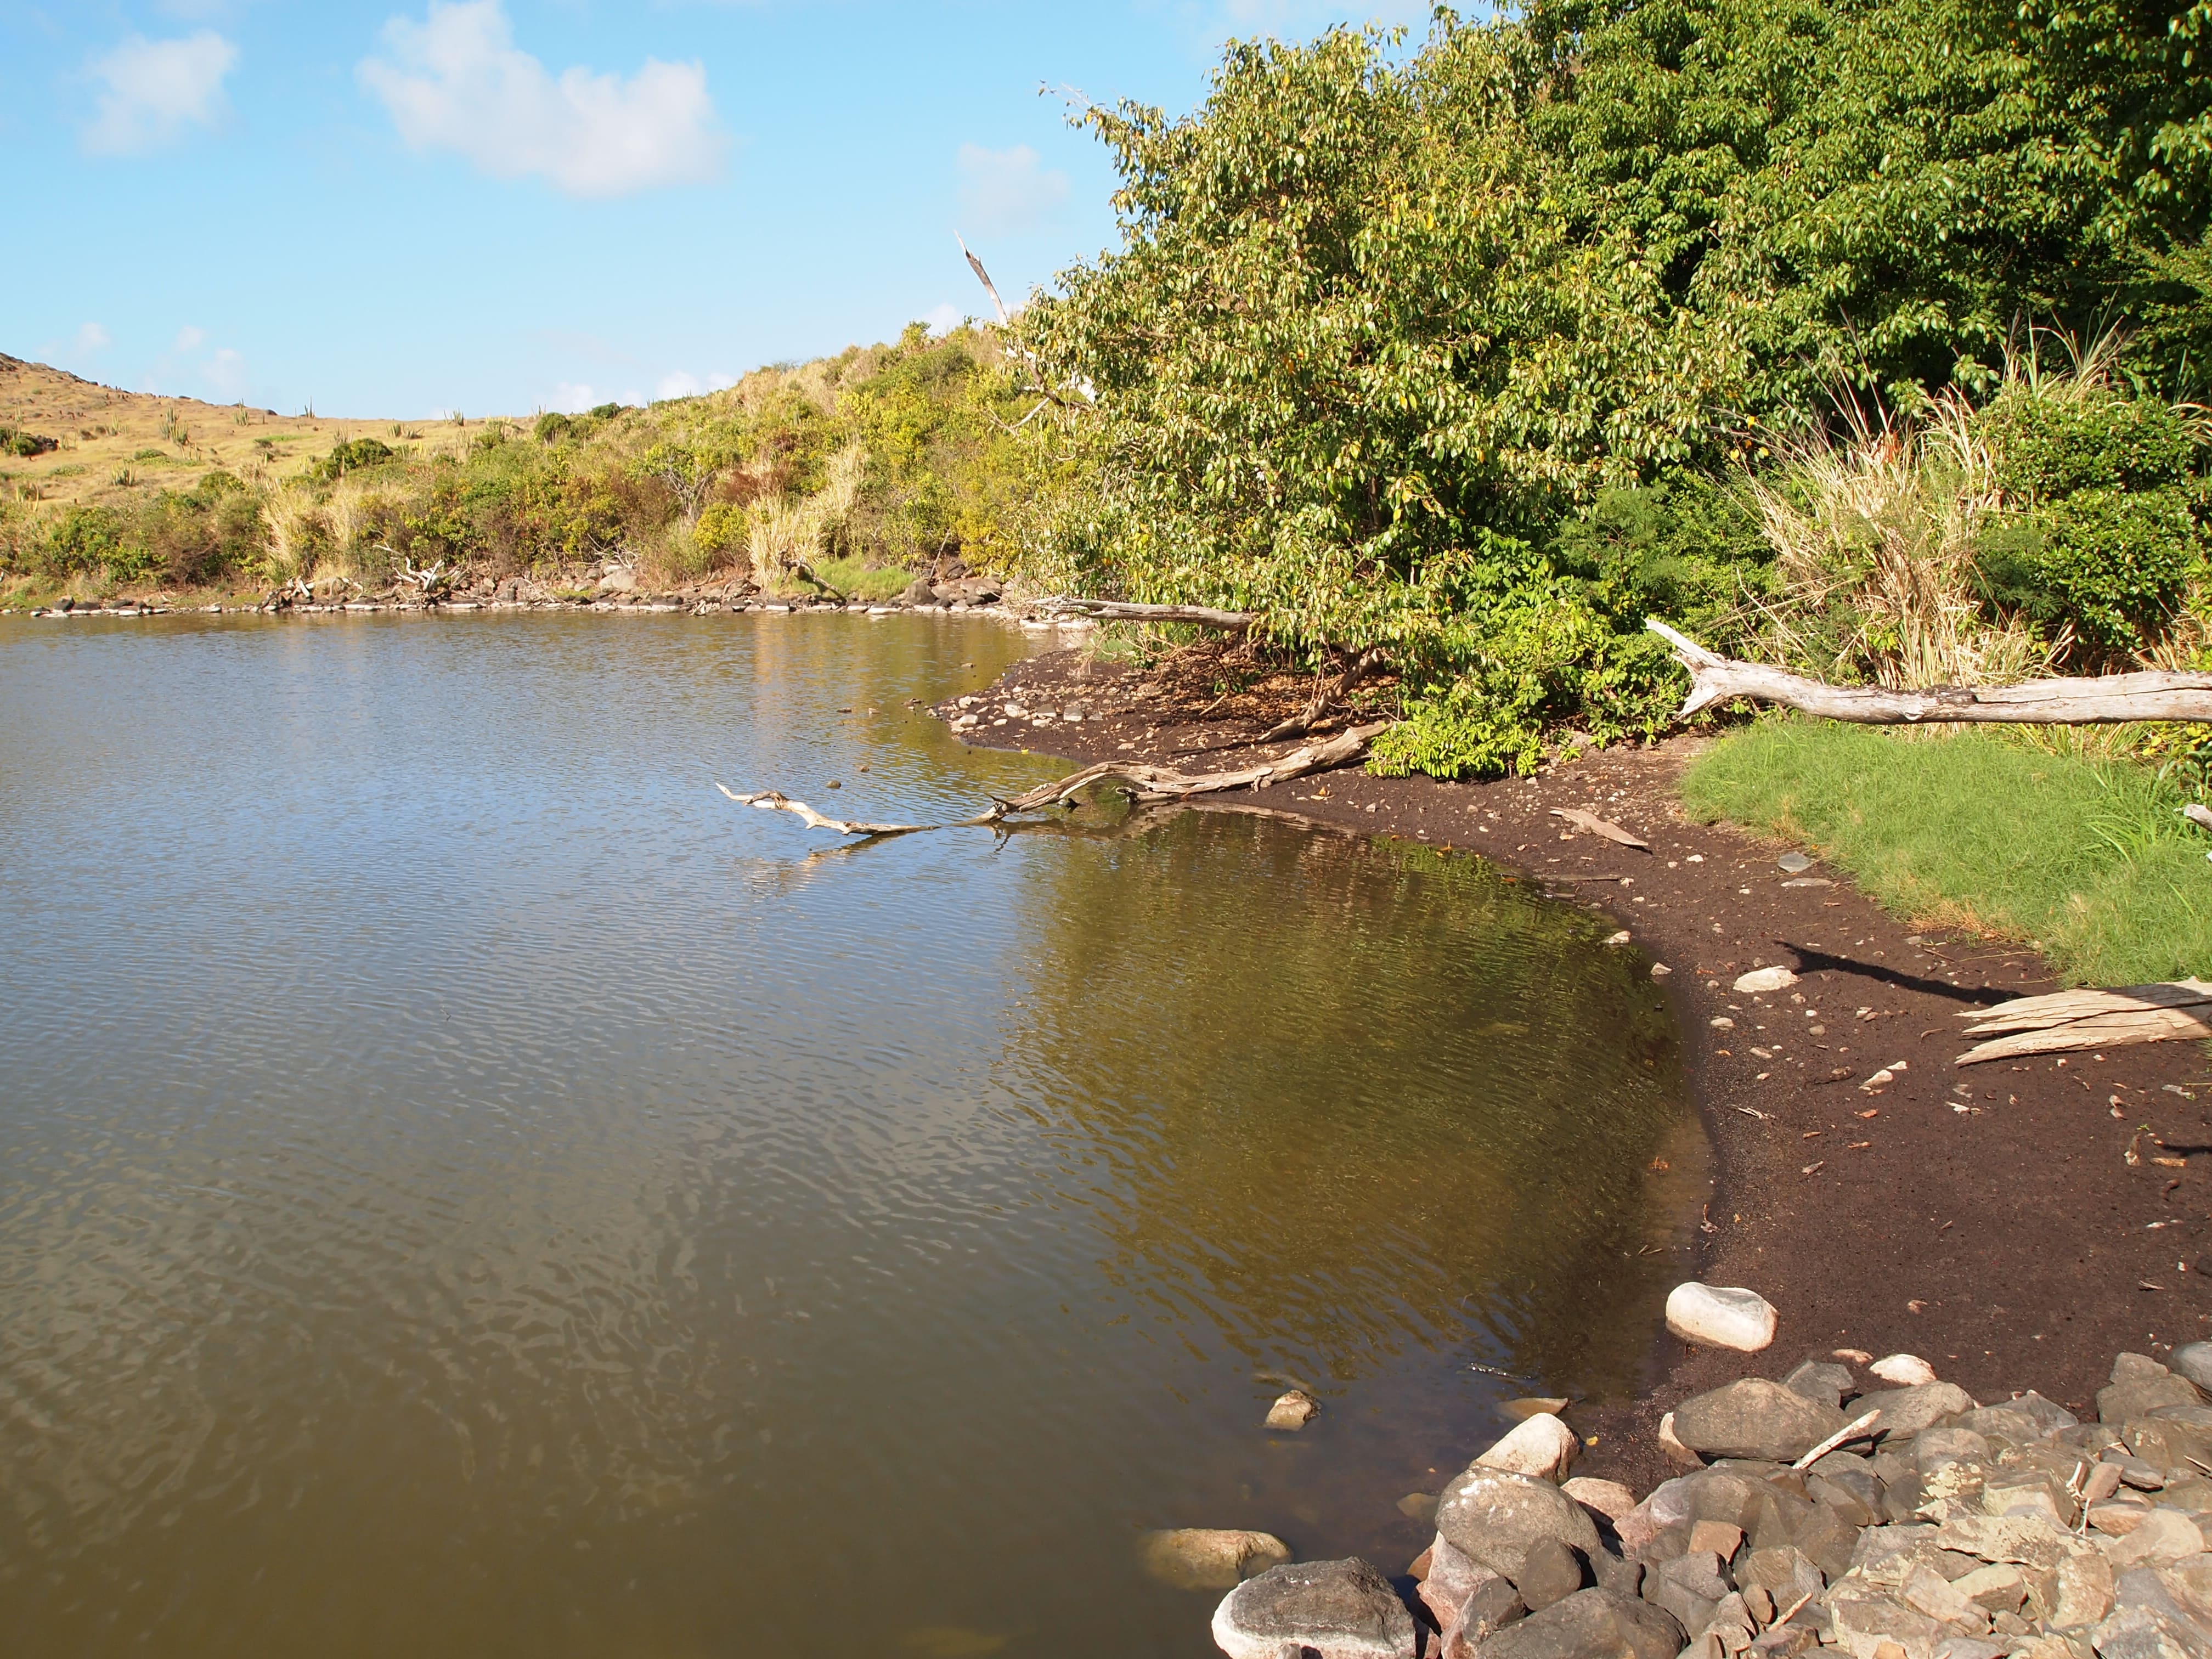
x=2066 y=1021
x=2098 y=700
x=1234 y=622
x=1144 y=784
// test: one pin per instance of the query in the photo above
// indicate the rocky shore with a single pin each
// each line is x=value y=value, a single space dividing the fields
x=1860 y=1506
x=599 y=588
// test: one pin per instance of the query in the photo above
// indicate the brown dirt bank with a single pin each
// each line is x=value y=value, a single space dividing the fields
x=2011 y=1244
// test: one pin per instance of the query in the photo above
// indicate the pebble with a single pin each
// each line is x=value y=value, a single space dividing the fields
x=1766 y=979
x=1292 y=1410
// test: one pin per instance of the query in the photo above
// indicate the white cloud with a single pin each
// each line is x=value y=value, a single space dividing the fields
x=226 y=372
x=682 y=384
x=1008 y=189
x=189 y=338
x=457 y=81
x=152 y=90
x=946 y=317
x=573 y=398
x=91 y=337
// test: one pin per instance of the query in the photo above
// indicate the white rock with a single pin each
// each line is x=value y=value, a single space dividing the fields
x=1543 y=1447
x=1907 y=1371
x=1292 y=1410
x=1721 y=1317
x=1766 y=979
x=1621 y=937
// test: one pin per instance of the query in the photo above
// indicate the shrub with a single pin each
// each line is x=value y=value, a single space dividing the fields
x=722 y=535
x=15 y=441
x=355 y=456
x=2112 y=565
x=2107 y=537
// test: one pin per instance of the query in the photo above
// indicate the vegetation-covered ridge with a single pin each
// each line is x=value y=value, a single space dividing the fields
x=1719 y=310
x=856 y=470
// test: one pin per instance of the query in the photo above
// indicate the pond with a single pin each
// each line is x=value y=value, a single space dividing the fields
x=468 y=1188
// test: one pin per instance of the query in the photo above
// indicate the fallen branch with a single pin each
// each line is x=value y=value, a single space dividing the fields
x=1325 y=698
x=1147 y=784
x=1850 y=1431
x=1235 y=622
x=1144 y=784
x=2066 y=1021
x=772 y=800
x=2098 y=700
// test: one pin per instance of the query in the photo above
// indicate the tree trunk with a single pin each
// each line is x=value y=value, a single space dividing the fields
x=2098 y=700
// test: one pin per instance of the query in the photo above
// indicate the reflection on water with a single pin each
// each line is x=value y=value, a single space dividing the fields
x=466 y=1187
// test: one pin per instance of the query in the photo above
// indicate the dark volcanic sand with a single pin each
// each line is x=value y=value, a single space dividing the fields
x=2012 y=1246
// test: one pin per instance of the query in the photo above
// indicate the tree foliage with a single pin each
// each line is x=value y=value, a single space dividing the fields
x=1386 y=333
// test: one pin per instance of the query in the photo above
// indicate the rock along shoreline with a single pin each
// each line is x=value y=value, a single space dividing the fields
x=1834 y=1509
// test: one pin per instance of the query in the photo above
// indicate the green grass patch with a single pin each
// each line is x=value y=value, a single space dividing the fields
x=863 y=582
x=2086 y=858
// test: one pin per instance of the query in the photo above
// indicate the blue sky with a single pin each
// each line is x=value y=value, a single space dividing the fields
x=495 y=206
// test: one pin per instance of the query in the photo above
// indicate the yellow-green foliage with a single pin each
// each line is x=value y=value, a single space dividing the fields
x=874 y=461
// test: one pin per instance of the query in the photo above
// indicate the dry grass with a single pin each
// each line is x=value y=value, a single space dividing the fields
x=103 y=432
x=790 y=530
x=1880 y=523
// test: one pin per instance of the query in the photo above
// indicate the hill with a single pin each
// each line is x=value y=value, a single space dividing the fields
x=857 y=470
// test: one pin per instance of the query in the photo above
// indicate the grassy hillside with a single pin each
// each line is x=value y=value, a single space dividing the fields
x=858 y=469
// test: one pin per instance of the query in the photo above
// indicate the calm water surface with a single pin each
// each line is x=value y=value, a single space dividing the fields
x=468 y=1189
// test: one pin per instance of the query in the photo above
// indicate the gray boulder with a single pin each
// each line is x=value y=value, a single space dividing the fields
x=2142 y=1633
x=1908 y=1411
x=1463 y=1595
x=1865 y=1619
x=1821 y=1381
x=1318 y=1609
x=1756 y=1417
x=1786 y=1574
x=1496 y=1518
x=2194 y=1362
x=1591 y=1624
x=2140 y=1398
x=1552 y=1573
x=1689 y=1587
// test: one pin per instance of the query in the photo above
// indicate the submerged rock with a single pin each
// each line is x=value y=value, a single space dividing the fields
x=1209 y=1557
x=1721 y=1317
x=1325 y=1609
